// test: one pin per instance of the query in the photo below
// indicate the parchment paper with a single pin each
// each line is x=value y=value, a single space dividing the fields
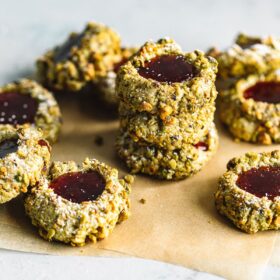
x=178 y=223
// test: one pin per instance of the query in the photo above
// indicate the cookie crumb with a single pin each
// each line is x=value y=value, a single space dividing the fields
x=99 y=141
x=142 y=200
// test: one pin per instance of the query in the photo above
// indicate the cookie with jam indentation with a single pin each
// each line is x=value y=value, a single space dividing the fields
x=167 y=131
x=160 y=74
x=251 y=108
x=248 y=55
x=76 y=204
x=24 y=158
x=27 y=102
x=81 y=60
x=249 y=192
x=141 y=157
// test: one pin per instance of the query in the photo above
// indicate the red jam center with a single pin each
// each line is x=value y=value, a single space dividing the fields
x=268 y=92
x=201 y=146
x=16 y=108
x=168 y=68
x=79 y=186
x=263 y=181
x=8 y=146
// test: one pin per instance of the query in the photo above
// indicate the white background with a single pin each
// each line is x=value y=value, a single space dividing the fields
x=28 y=28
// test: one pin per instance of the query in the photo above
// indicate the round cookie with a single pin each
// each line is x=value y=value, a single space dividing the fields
x=248 y=55
x=249 y=192
x=175 y=164
x=82 y=59
x=27 y=102
x=184 y=79
x=24 y=158
x=170 y=132
x=164 y=111
x=79 y=203
x=251 y=108
x=106 y=85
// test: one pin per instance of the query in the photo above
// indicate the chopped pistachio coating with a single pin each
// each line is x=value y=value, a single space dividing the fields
x=141 y=157
x=25 y=166
x=107 y=84
x=148 y=95
x=249 y=55
x=247 y=211
x=82 y=59
x=60 y=219
x=247 y=119
x=48 y=116
x=165 y=130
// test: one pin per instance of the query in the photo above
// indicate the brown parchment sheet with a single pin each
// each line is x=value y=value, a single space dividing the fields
x=275 y=257
x=177 y=224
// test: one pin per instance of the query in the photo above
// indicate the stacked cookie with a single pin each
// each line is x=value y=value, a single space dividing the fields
x=167 y=104
x=249 y=86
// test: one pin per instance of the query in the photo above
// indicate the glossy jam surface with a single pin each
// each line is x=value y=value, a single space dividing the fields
x=201 y=146
x=263 y=181
x=268 y=92
x=64 y=50
x=168 y=68
x=16 y=108
x=8 y=146
x=79 y=186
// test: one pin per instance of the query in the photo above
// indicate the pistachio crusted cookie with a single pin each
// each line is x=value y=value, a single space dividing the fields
x=27 y=102
x=24 y=158
x=251 y=108
x=166 y=106
x=107 y=84
x=174 y=164
x=165 y=131
x=79 y=203
x=82 y=59
x=249 y=192
x=190 y=81
x=249 y=55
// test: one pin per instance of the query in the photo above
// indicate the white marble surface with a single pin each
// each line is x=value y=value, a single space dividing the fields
x=28 y=28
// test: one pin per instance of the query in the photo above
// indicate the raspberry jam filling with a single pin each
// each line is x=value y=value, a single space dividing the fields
x=262 y=181
x=64 y=50
x=8 y=146
x=201 y=146
x=268 y=92
x=168 y=68
x=16 y=108
x=79 y=186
